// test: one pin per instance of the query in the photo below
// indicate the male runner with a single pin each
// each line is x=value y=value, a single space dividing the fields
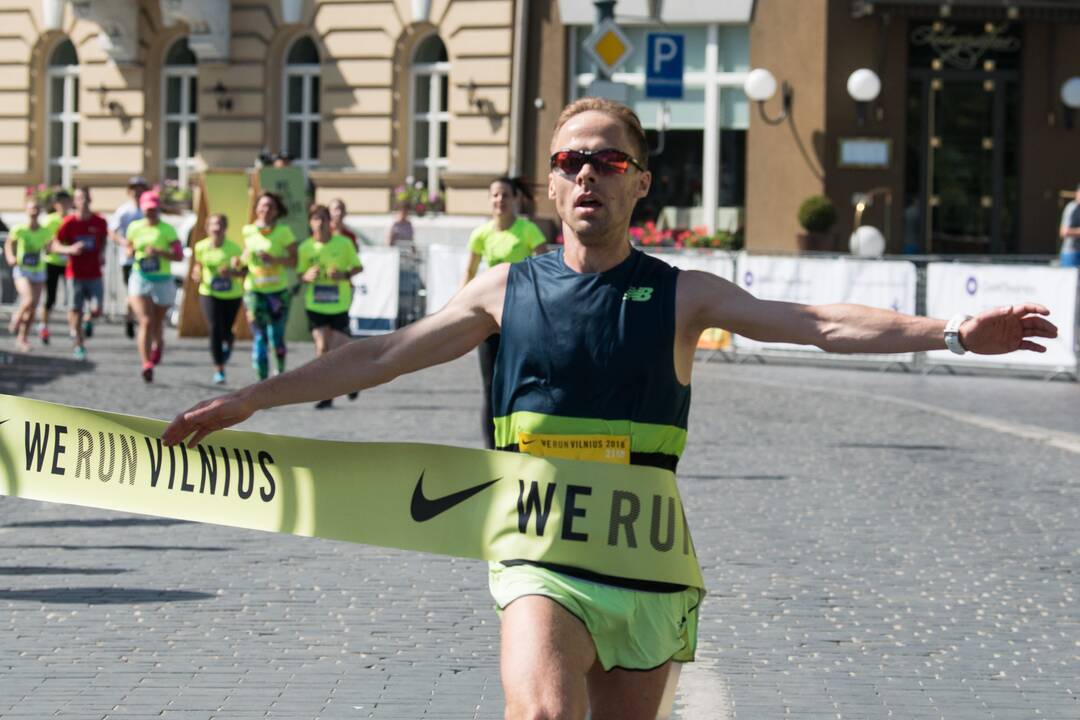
x=598 y=338
x=81 y=237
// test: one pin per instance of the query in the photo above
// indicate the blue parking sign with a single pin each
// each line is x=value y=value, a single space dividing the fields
x=664 y=65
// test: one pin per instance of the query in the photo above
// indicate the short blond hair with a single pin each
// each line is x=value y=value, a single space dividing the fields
x=620 y=112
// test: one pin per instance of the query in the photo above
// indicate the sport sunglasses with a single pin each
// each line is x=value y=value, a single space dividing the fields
x=608 y=161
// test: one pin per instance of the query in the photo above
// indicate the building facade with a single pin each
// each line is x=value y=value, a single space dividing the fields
x=362 y=94
x=968 y=147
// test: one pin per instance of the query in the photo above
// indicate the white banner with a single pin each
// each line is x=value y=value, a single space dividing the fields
x=446 y=266
x=886 y=284
x=717 y=263
x=374 y=306
x=953 y=288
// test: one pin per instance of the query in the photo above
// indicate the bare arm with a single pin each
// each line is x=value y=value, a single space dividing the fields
x=472 y=315
x=470 y=270
x=710 y=301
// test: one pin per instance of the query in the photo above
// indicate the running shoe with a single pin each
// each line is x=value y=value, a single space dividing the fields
x=88 y=328
x=155 y=354
x=219 y=378
x=355 y=394
x=129 y=328
x=324 y=404
x=148 y=372
x=80 y=353
x=43 y=333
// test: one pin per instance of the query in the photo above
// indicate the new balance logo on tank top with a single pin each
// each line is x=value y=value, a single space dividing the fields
x=586 y=366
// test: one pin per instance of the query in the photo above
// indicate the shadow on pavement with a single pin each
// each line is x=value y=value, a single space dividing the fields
x=137 y=548
x=95 y=523
x=101 y=595
x=21 y=371
x=37 y=570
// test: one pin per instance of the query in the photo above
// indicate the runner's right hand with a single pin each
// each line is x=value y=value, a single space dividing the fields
x=207 y=417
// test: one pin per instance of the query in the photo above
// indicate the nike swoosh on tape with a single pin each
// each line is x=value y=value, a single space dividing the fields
x=423 y=509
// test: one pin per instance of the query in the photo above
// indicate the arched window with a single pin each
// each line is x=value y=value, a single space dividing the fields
x=430 y=113
x=62 y=138
x=180 y=119
x=302 y=103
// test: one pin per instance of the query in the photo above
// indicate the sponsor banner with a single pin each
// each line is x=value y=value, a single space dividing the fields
x=620 y=520
x=374 y=306
x=886 y=284
x=446 y=266
x=953 y=288
x=717 y=263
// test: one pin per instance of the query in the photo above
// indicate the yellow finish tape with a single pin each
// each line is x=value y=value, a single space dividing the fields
x=618 y=520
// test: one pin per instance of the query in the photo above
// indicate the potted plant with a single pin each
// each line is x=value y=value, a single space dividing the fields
x=817 y=215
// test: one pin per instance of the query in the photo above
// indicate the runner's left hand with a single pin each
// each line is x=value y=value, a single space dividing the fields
x=207 y=417
x=1006 y=329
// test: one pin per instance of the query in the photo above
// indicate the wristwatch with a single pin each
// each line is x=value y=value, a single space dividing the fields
x=952 y=333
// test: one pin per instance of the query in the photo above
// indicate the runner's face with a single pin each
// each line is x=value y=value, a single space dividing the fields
x=320 y=225
x=502 y=199
x=337 y=212
x=151 y=214
x=82 y=201
x=32 y=211
x=215 y=228
x=594 y=206
x=265 y=212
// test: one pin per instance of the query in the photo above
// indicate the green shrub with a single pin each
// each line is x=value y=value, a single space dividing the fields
x=817 y=214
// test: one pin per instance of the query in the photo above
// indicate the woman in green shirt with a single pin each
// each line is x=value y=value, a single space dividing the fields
x=24 y=251
x=218 y=270
x=326 y=263
x=269 y=251
x=154 y=245
x=506 y=238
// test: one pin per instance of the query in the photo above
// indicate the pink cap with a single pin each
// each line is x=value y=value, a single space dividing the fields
x=149 y=200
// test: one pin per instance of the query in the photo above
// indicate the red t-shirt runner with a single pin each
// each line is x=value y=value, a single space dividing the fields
x=92 y=233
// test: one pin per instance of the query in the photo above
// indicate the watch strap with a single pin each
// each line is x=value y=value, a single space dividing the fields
x=952 y=333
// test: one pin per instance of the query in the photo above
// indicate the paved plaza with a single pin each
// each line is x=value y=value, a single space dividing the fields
x=876 y=545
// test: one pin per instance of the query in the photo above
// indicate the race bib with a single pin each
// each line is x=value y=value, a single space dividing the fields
x=89 y=242
x=221 y=284
x=265 y=279
x=326 y=294
x=150 y=264
x=593 y=448
x=30 y=259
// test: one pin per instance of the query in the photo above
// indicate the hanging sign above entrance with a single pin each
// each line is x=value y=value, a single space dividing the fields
x=965 y=46
x=608 y=46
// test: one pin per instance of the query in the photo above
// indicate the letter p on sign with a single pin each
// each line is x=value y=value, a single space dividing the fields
x=664 y=65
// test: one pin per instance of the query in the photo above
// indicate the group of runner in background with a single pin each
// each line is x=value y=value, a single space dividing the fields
x=252 y=267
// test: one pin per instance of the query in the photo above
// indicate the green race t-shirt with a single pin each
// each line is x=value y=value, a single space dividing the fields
x=329 y=297
x=30 y=246
x=143 y=236
x=512 y=245
x=213 y=260
x=275 y=241
x=52 y=222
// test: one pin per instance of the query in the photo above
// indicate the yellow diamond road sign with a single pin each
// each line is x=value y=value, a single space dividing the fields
x=608 y=46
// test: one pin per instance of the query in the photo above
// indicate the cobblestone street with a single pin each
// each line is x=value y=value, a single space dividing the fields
x=875 y=545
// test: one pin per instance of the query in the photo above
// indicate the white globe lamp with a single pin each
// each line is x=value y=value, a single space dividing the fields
x=760 y=85
x=867 y=241
x=864 y=85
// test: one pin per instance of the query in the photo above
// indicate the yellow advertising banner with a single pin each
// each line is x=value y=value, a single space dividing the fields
x=617 y=520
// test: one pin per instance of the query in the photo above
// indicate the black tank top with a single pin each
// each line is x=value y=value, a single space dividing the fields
x=586 y=356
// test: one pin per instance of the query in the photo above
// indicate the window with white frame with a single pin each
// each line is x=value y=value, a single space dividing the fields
x=430 y=111
x=302 y=114
x=180 y=119
x=62 y=136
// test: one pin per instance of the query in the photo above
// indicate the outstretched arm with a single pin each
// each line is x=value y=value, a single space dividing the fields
x=710 y=301
x=472 y=315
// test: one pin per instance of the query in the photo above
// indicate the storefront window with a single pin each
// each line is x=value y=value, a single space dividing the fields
x=679 y=127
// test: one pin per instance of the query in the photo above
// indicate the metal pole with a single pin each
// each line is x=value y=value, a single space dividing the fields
x=605 y=10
